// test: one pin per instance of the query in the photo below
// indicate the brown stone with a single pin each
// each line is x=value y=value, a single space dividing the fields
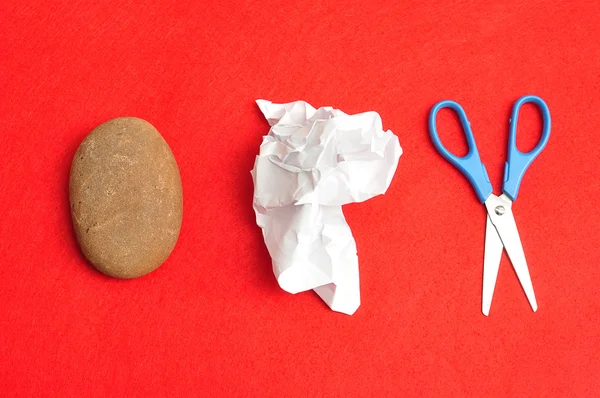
x=126 y=198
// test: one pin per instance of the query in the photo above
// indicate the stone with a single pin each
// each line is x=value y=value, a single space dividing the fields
x=126 y=198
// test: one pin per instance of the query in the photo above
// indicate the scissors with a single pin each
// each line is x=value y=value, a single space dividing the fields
x=501 y=228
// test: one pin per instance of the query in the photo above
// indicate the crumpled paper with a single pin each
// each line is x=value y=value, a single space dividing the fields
x=311 y=163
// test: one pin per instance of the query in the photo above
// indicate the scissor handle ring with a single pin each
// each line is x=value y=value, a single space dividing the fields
x=517 y=161
x=470 y=164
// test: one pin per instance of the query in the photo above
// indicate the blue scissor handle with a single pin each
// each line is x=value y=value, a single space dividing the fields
x=518 y=162
x=470 y=165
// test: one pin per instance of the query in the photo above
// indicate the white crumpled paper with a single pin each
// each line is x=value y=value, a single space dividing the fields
x=311 y=163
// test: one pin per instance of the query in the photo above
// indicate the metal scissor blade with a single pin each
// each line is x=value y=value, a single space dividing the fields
x=491 y=263
x=500 y=212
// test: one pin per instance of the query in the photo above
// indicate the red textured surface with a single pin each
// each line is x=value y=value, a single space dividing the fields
x=212 y=319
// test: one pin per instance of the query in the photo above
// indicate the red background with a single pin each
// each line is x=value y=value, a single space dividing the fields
x=212 y=318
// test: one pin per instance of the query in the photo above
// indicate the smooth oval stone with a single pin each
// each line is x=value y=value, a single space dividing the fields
x=126 y=198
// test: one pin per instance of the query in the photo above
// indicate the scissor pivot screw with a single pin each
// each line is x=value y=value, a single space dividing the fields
x=499 y=210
